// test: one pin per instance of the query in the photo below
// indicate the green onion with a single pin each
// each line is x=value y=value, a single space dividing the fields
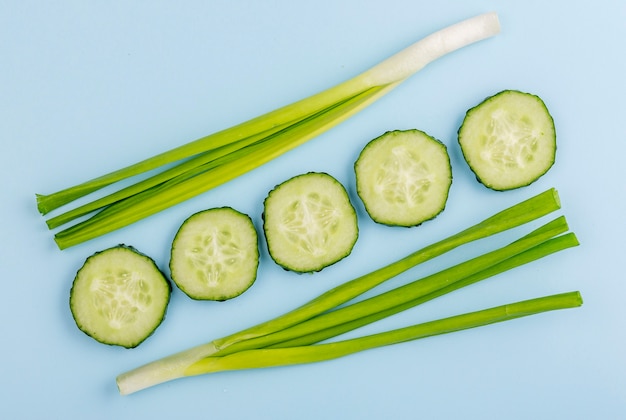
x=321 y=315
x=262 y=358
x=546 y=248
x=523 y=212
x=191 y=183
x=218 y=158
x=408 y=294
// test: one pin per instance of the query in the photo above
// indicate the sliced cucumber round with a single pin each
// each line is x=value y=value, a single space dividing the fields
x=508 y=140
x=403 y=177
x=309 y=222
x=215 y=254
x=119 y=296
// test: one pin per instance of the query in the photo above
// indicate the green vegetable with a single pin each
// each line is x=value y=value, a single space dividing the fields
x=535 y=245
x=551 y=246
x=119 y=296
x=403 y=177
x=263 y=358
x=323 y=315
x=215 y=159
x=309 y=222
x=508 y=140
x=215 y=254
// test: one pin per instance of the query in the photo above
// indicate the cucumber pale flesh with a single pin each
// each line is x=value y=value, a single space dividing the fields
x=309 y=222
x=119 y=296
x=215 y=254
x=403 y=177
x=508 y=140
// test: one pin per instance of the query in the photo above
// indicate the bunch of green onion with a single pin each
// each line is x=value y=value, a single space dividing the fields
x=305 y=334
x=208 y=162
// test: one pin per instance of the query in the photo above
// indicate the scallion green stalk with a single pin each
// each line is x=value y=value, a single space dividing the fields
x=204 y=177
x=515 y=216
x=215 y=159
x=405 y=295
x=200 y=160
x=263 y=358
x=229 y=154
x=551 y=246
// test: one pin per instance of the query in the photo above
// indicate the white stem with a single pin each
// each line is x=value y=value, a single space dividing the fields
x=162 y=370
x=413 y=58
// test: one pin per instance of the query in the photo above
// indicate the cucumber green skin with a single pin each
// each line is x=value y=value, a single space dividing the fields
x=386 y=219
x=474 y=170
x=220 y=297
x=140 y=338
x=268 y=236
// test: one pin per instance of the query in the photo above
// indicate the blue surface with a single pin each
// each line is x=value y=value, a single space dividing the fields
x=87 y=87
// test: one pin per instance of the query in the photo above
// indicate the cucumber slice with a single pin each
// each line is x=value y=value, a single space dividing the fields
x=215 y=254
x=508 y=140
x=119 y=296
x=309 y=222
x=403 y=177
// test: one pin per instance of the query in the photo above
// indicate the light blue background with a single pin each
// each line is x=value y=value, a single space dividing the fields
x=89 y=86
